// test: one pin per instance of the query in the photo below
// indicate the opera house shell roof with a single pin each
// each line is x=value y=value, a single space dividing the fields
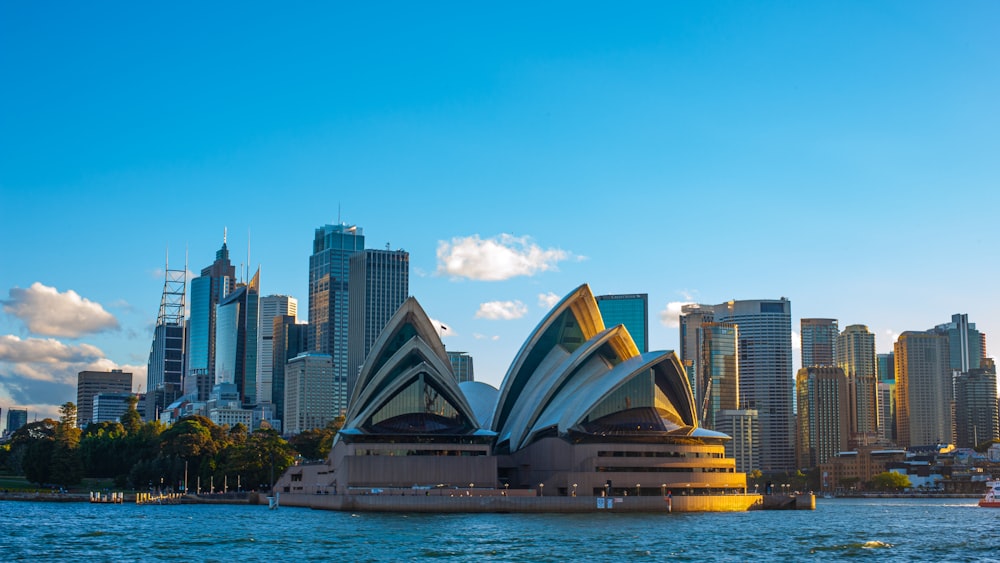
x=580 y=410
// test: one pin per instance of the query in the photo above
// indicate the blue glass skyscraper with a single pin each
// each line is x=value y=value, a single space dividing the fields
x=207 y=291
x=329 y=272
x=631 y=310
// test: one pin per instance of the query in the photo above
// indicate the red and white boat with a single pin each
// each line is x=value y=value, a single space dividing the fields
x=992 y=498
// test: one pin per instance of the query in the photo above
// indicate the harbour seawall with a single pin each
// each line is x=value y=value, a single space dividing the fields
x=520 y=504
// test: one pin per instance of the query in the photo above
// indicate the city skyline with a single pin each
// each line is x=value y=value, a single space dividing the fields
x=674 y=150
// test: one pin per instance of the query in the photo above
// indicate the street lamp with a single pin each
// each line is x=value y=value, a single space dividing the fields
x=506 y=487
x=471 y=486
x=638 y=489
x=541 y=489
x=663 y=489
x=574 y=489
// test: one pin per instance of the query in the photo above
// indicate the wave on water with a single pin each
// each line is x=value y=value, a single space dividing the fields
x=854 y=546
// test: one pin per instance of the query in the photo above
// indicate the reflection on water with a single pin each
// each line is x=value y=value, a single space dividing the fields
x=886 y=529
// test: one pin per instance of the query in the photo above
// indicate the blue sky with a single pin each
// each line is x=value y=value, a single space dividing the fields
x=840 y=154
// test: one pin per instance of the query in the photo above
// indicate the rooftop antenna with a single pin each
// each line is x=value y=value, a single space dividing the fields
x=338 y=213
x=248 y=256
x=225 y=231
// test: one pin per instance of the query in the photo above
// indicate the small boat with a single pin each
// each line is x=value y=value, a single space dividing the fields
x=992 y=498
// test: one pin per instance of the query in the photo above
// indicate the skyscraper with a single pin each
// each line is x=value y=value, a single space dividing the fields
x=271 y=306
x=214 y=284
x=631 y=310
x=311 y=393
x=236 y=340
x=766 y=384
x=819 y=342
x=329 y=267
x=742 y=425
x=165 y=369
x=461 y=366
x=976 y=417
x=886 y=367
x=887 y=410
x=691 y=318
x=290 y=340
x=823 y=414
x=923 y=389
x=856 y=356
x=16 y=418
x=718 y=385
x=379 y=282
x=90 y=383
x=965 y=344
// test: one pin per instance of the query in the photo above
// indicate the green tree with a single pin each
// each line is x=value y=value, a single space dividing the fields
x=252 y=460
x=312 y=444
x=66 y=465
x=131 y=419
x=23 y=438
x=890 y=481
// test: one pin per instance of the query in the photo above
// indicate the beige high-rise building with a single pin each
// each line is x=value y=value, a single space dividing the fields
x=271 y=306
x=312 y=393
x=923 y=390
x=91 y=383
x=856 y=357
x=823 y=425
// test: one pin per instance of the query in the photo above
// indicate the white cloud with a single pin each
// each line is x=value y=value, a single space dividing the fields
x=501 y=310
x=46 y=311
x=478 y=336
x=45 y=351
x=670 y=315
x=42 y=372
x=796 y=341
x=499 y=258
x=443 y=330
x=547 y=300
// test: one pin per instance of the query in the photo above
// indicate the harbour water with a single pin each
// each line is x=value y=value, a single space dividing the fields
x=882 y=529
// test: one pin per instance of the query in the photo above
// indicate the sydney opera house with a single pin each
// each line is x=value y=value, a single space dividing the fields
x=582 y=420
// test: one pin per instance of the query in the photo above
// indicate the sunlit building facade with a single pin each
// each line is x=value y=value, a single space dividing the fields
x=823 y=425
x=766 y=378
x=856 y=357
x=819 y=342
x=718 y=386
x=924 y=391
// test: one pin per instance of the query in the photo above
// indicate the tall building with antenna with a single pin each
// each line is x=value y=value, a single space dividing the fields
x=236 y=340
x=214 y=284
x=165 y=370
x=329 y=272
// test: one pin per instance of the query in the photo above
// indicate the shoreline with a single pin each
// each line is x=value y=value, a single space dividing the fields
x=130 y=498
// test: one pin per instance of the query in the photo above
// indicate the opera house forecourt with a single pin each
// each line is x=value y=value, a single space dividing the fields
x=583 y=421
